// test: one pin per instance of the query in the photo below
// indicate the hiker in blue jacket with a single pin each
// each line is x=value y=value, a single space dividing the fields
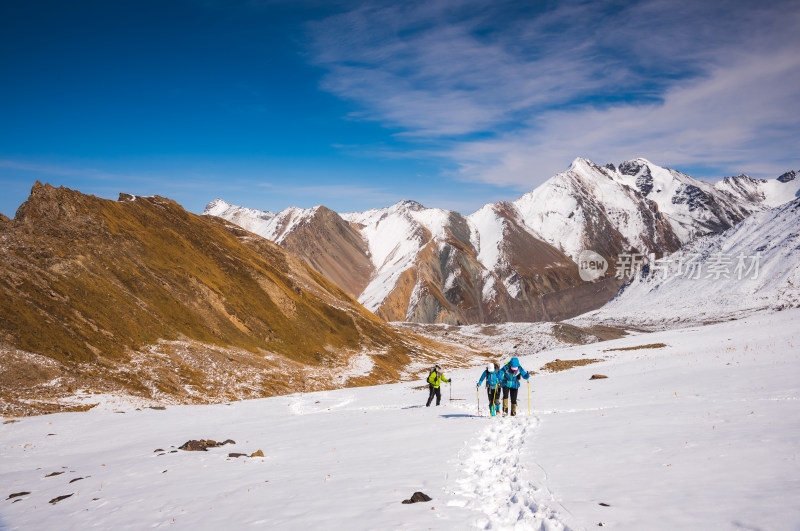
x=511 y=374
x=493 y=386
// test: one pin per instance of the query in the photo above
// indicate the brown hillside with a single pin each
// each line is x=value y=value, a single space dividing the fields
x=331 y=246
x=141 y=296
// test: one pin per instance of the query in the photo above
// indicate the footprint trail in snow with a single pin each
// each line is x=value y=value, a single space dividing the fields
x=494 y=482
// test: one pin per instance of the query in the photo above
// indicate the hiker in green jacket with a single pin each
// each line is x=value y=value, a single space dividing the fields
x=435 y=378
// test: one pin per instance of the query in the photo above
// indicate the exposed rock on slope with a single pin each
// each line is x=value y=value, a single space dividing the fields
x=139 y=295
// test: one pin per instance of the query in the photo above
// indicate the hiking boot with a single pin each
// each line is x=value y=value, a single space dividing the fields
x=513 y=410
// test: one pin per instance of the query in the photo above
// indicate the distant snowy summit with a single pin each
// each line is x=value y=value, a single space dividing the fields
x=511 y=260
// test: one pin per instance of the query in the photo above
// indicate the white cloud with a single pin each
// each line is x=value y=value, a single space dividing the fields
x=682 y=83
x=741 y=117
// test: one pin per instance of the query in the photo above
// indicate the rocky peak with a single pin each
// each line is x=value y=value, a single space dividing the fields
x=788 y=176
x=640 y=169
x=634 y=167
x=47 y=203
x=217 y=204
x=741 y=179
x=409 y=204
x=581 y=163
x=221 y=208
x=325 y=213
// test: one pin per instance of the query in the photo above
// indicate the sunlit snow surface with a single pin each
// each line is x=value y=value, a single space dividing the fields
x=700 y=434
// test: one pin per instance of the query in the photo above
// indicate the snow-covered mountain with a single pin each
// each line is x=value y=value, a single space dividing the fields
x=432 y=265
x=637 y=205
x=510 y=260
x=764 y=192
x=754 y=266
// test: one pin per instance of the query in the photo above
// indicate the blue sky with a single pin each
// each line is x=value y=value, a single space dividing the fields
x=354 y=105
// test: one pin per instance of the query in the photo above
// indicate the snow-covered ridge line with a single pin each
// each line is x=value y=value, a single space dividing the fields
x=274 y=227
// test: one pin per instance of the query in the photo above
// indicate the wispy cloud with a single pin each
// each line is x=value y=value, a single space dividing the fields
x=511 y=95
x=47 y=170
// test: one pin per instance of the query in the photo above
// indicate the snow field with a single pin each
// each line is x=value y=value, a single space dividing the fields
x=700 y=434
x=494 y=479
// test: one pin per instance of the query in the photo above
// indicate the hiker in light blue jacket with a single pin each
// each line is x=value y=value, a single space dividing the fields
x=511 y=374
x=493 y=386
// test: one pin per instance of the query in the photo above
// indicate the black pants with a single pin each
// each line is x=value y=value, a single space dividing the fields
x=513 y=392
x=494 y=395
x=434 y=391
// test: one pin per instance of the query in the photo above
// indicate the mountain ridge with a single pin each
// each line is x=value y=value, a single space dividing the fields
x=435 y=265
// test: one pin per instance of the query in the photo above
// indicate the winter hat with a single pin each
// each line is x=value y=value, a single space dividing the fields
x=514 y=362
x=490 y=367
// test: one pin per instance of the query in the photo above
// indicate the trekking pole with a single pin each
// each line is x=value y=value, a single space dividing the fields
x=450 y=385
x=478 y=394
x=529 y=398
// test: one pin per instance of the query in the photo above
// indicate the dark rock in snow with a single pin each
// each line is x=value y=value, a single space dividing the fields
x=74 y=480
x=257 y=453
x=59 y=498
x=598 y=377
x=196 y=446
x=418 y=497
x=202 y=445
x=17 y=495
x=51 y=474
x=236 y=454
